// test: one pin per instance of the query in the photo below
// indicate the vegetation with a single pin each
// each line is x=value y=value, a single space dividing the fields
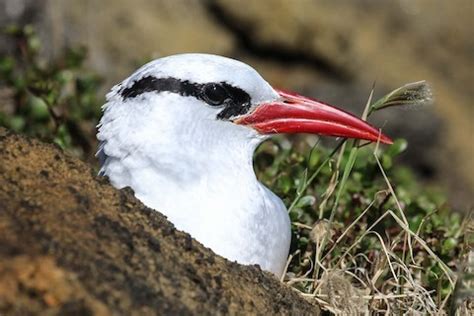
x=56 y=101
x=366 y=234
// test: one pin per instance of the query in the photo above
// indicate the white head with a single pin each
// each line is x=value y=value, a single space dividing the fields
x=194 y=102
x=182 y=108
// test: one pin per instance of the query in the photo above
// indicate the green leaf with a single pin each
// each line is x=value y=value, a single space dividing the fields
x=449 y=244
x=307 y=200
x=386 y=162
x=398 y=146
x=284 y=183
x=39 y=109
x=7 y=64
x=17 y=123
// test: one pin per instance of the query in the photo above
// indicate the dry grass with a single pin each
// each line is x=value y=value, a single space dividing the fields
x=390 y=279
x=347 y=287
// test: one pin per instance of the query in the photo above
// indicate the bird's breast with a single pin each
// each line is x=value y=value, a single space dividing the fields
x=244 y=222
x=222 y=205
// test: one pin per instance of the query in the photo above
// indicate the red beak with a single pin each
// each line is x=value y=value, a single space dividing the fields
x=297 y=114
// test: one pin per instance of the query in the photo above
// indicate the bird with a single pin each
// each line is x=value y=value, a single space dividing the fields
x=181 y=132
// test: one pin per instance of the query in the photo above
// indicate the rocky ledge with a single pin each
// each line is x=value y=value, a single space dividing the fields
x=72 y=244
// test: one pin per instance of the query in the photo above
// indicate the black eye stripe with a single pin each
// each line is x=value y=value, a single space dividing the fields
x=152 y=84
x=237 y=103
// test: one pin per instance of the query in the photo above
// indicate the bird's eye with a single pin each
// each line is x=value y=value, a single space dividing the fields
x=215 y=94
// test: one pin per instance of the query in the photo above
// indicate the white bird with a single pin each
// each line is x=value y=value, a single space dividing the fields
x=181 y=132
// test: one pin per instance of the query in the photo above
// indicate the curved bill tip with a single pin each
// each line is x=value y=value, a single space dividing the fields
x=293 y=113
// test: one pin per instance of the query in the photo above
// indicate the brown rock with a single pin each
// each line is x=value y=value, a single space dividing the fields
x=71 y=243
x=33 y=284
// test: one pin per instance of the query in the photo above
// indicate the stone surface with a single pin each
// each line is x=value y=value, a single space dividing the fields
x=72 y=244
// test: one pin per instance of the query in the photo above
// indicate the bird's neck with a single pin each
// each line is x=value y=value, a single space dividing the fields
x=189 y=186
x=184 y=171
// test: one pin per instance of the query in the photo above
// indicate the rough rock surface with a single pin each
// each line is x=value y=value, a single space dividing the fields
x=72 y=244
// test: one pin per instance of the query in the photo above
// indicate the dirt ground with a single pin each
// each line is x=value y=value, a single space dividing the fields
x=70 y=244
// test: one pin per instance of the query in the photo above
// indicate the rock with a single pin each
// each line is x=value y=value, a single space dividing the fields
x=72 y=244
x=30 y=284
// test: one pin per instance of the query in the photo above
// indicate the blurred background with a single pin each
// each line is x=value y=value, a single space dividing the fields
x=332 y=50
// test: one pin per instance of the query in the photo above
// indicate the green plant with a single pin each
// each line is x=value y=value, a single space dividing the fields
x=359 y=241
x=56 y=101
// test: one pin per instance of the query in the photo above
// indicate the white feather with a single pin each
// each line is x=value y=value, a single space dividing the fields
x=197 y=170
